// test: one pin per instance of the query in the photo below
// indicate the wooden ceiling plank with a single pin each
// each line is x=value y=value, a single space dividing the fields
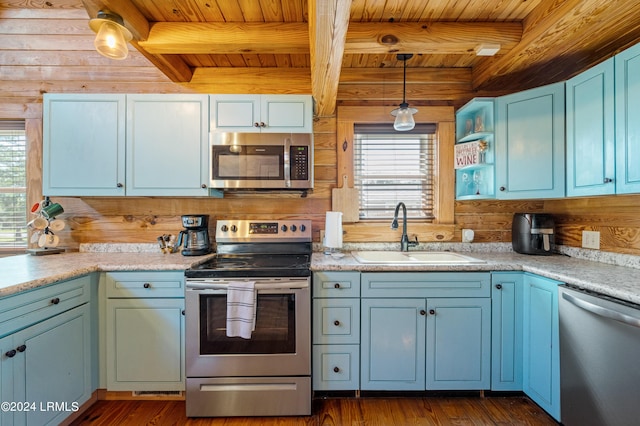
x=236 y=37
x=548 y=43
x=435 y=37
x=328 y=24
x=414 y=75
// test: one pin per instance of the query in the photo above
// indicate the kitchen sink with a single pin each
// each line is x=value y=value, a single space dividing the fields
x=414 y=257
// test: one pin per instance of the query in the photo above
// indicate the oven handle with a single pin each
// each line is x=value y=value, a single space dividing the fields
x=293 y=284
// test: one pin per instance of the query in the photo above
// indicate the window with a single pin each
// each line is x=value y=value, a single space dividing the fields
x=392 y=167
x=13 y=182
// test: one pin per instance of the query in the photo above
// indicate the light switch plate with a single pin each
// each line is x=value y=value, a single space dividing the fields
x=591 y=239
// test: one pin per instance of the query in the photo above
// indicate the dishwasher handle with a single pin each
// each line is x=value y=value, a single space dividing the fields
x=601 y=310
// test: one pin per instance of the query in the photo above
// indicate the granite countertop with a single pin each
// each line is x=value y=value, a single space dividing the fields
x=622 y=282
x=25 y=272
x=614 y=275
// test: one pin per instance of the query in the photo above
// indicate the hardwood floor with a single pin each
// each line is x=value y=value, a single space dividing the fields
x=370 y=411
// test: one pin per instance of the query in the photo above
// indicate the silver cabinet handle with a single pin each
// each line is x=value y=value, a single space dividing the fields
x=601 y=310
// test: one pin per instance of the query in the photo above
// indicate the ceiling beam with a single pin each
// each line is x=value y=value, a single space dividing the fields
x=227 y=38
x=360 y=38
x=436 y=37
x=328 y=24
x=170 y=65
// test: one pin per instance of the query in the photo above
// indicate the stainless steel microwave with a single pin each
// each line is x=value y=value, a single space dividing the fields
x=261 y=161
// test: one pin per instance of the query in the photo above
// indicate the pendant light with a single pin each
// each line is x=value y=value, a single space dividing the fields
x=404 y=115
x=111 y=35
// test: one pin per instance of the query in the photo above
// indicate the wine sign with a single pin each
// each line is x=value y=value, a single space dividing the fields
x=467 y=154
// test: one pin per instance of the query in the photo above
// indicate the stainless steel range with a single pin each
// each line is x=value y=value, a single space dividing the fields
x=267 y=371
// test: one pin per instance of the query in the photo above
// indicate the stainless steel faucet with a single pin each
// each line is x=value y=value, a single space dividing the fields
x=404 y=240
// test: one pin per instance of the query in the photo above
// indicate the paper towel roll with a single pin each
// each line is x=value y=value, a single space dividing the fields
x=333 y=230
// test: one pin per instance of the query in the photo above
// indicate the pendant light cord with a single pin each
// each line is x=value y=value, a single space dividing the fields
x=404 y=82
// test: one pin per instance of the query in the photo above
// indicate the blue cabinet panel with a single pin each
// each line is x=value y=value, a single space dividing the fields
x=590 y=132
x=541 y=369
x=506 y=331
x=627 y=81
x=393 y=344
x=530 y=144
x=458 y=343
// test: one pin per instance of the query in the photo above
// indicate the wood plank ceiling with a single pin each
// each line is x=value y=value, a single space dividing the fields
x=325 y=47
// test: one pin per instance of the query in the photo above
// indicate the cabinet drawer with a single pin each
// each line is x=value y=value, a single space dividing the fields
x=336 y=284
x=426 y=284
x=25 y=309
x=336 y=321
x=335 y=367
x=145 y=284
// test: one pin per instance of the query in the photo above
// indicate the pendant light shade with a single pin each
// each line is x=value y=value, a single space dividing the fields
x=112 y=36
x=404 y=114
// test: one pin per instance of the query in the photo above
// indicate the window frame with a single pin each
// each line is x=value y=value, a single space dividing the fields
x=18 y=125
x=442 y=227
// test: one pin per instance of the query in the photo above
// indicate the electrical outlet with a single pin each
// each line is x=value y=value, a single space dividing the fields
x=591 y=239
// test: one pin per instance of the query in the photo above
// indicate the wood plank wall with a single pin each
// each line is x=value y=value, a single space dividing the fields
x=36 y=58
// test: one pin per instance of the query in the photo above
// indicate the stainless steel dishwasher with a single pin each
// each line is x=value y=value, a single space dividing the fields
x=599 y=359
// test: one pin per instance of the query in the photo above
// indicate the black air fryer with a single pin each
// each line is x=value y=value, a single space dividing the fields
x=533 y=233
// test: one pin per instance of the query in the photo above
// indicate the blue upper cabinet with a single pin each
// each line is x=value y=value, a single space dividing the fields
x=530 y=143
x=83 y=144
x=167 y=145
x=627 y=81
x=475 y=150
x=590 y=132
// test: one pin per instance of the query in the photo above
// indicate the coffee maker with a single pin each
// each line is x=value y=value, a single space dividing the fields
x=533 y=233
x=194 y=239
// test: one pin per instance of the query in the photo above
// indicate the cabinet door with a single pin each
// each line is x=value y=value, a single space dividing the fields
x=530 y=144
x=458 y=343
x=83 y=145
x=55 y=365
x=145 y=344
x=235 y=113
x=393 y=344
x=6 y=377
x=506 y=331
x=541 y=369
x=167 y=145
x=590 y=132
x=627 y=69
x=287 y=113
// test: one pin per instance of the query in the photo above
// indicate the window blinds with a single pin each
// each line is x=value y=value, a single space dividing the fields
x=391 y=167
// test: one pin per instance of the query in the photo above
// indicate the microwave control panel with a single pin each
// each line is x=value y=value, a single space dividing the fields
x=299 y=156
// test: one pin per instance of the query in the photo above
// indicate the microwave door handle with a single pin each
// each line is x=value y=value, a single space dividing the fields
x=287 y=162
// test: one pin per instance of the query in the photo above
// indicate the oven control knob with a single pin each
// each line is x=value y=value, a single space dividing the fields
x=284 y=228
x=303 y=228
x=294 y=228
x=234 y=228
x=224 y=228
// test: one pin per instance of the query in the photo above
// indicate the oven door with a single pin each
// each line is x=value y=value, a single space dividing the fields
x=280 y=345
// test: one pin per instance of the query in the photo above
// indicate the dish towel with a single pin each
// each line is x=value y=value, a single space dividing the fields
x=241 y=309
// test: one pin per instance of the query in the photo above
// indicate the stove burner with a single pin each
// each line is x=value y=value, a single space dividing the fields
x=294 y=265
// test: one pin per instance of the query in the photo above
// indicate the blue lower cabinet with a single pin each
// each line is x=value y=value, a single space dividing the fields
x=458 y=343
x=541 y=368
x=418 y=344
x=506 y=331
x=48 y=367
x=393 y=344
